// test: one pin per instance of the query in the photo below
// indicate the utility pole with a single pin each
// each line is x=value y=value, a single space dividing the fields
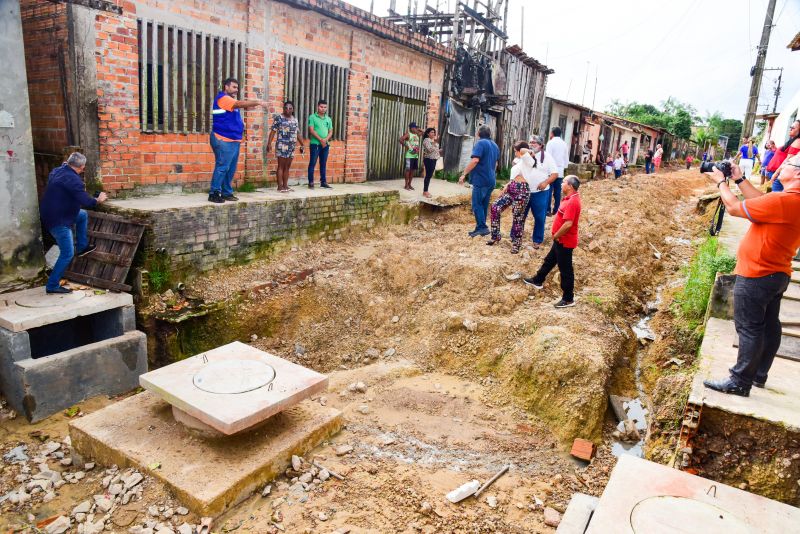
x=755 y=85
x=777 y=91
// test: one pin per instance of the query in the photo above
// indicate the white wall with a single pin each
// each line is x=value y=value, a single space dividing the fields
x=572 y=116
x=780 y=129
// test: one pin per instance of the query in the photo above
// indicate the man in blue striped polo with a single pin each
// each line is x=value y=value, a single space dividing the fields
x=226 y=137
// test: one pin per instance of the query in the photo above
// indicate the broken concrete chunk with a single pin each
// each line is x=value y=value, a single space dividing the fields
x=551 y=517
x=82 y=508
x=59 y=526
x=267 y=490
x=463 y=491
x=132 y=480
x=49 y=448
x=104 y=504
x=297 y=463
x=341 y=450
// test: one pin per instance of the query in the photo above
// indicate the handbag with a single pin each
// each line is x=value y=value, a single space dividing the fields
x=440 y=164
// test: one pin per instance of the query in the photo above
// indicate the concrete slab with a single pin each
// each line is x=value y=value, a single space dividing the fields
x=778 y=403
x=41 y=387
x=733 y=229
x=643 y=496
x=792 y=292
x=578 y=514
x=790 y=312
x=253 y=386
x=440 y=189
x=206 y=475
x=31 y=308
x=789 y=349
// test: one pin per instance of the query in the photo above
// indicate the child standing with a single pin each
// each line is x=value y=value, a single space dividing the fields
x=618 y=163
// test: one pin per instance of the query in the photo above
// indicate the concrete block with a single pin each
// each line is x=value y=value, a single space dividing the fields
x=32 y=308
x=206 y=475
x=16 y=345
x=643 y=496
x=56 y=382
x=577 y=515
x=246 y=386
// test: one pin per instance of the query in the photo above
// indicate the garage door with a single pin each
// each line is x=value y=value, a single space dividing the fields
x=393 y=106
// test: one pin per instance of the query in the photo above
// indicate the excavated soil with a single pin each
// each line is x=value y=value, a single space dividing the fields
x=466 y=368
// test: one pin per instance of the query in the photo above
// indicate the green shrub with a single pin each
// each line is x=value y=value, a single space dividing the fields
x=247 y=187
x=692 y=301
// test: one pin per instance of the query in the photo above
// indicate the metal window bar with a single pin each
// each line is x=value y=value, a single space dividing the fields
x=180 y=72
x=307 y=81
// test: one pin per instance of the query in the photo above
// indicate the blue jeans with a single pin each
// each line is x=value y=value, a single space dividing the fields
x=480 y=205
x=648 y=167
x=555 y=194
x=63 y=237
x=226 y=157
x=322 y=153
x=776 y=183
x=538 y=207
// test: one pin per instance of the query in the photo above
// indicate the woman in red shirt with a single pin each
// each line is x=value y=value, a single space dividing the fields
x=791 y=148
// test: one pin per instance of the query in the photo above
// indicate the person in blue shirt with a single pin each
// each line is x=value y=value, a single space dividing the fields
x=766 y=176
x=481 y=170
x=227 y=130
x=60 y=208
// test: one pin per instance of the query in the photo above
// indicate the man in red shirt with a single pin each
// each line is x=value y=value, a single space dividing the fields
x=565 y=240
x=763 y=272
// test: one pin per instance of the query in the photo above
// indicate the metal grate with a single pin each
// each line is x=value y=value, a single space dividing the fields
x=180 y=72
x=307 y=81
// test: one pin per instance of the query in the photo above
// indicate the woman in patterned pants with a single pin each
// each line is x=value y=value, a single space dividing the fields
x=516 y=195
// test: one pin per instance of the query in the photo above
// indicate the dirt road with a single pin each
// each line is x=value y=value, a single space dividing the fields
x=466 y=369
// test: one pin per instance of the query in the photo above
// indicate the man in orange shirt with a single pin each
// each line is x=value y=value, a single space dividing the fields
x=226 y=137
x=763 y=272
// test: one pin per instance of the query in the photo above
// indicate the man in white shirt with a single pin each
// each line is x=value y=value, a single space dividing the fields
x=545 y=174
x=558 y=149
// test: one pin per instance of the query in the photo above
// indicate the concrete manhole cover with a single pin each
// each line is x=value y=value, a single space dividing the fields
x=234 y=376
x=43 y=300
x=679 y=514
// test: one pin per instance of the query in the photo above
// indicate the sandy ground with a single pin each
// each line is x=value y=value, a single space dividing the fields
x=451 y=346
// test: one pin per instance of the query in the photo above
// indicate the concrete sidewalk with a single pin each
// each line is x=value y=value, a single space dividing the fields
x=444 y=193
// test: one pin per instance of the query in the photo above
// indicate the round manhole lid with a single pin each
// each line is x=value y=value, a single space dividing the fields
x=233 y=376
x=43 y=300
x=680 y=514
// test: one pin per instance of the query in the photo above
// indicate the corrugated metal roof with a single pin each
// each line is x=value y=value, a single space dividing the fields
x=516 y=51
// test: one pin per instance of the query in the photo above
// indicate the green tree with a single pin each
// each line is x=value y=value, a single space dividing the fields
x=674 y=116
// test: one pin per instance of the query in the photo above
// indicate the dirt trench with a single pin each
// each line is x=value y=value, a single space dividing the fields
x=467 y=369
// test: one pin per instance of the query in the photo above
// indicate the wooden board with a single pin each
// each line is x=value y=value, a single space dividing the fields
x=117 y=239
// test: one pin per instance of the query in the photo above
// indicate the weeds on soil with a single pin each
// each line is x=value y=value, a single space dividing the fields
x=692 y=301
x=247 y=187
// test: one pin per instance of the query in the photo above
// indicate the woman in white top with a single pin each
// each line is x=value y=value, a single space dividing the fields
x=516 y=195
x=544 y=174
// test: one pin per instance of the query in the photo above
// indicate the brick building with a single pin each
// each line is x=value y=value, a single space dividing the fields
x=131 y=83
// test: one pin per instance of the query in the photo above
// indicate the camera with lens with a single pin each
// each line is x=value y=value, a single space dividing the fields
x=724 y=166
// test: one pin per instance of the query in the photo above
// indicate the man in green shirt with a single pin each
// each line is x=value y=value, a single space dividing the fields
x=320 y=131
x=410 y=142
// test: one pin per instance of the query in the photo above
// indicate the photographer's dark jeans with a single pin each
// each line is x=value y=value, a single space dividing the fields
x=561 y=256
x=756 y=307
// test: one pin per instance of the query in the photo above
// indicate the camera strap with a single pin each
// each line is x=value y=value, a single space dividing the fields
x=716 y=220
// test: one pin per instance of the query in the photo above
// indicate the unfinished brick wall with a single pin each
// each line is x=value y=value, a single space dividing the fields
x=46 y=57
x=132 y=161
x=194 y=240
x=366 y=55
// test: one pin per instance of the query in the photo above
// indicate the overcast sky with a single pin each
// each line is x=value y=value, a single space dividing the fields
x=699 y=51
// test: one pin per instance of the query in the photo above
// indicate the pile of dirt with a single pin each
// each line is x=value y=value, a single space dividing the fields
x=431 y=294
